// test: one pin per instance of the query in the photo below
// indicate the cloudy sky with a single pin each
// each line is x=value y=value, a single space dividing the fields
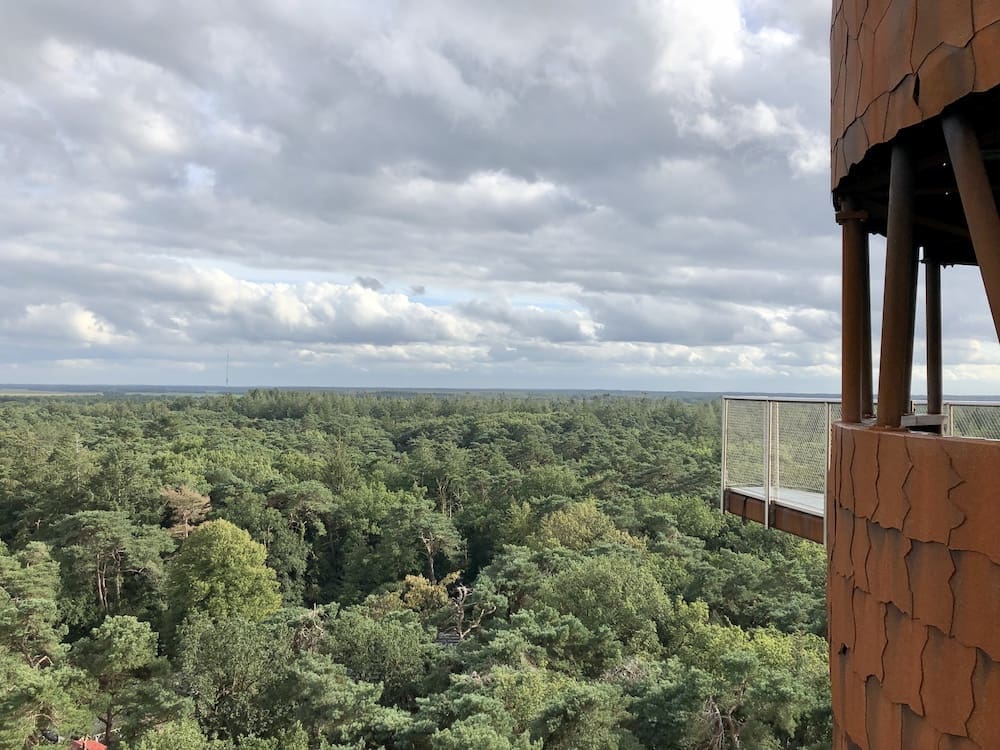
x=461 y=194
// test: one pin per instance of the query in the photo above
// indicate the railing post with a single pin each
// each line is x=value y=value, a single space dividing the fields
x=826 y=474
x=767 y=466
x=725 y=445
x=777 y=447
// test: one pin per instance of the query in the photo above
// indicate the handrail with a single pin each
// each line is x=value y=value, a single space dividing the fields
x=965 y=403
x=836 y=400
x=785 y=399
x=725 y=454
x=787 y=473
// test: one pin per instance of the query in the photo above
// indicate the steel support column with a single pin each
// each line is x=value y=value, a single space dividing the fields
x=899 y=300
x=978 y=204
x=867 y=401
x=855 y=242
x=932 y=283
x=911 y=309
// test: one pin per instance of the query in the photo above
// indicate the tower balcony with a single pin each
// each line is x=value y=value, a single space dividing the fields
x=776 y=454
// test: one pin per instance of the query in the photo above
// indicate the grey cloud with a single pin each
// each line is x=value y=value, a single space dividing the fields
x=369 y=282
x=633 y=191
x=532 y=322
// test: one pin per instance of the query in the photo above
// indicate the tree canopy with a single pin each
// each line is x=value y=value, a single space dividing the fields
x=323 y=570
x=220 y=571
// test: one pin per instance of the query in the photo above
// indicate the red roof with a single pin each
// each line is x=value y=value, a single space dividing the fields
x=87 y=745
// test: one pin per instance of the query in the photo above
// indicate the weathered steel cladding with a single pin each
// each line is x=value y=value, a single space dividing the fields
x=896 y=63
x=914 y=590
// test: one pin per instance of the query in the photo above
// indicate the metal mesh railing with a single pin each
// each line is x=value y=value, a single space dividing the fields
x=799 y=445
x=973 y=419
x=777 y=448
x=745 y=441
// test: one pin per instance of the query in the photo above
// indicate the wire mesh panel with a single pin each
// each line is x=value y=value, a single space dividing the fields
x=799 y=446
x=975 y=420
x=777 y=450
x=745 y=444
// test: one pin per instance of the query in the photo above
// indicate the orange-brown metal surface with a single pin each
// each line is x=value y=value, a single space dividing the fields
x=896 y=63
x=790 y=520
x=913 y=536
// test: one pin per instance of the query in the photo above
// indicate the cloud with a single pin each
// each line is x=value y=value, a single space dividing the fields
x=511 y=194
x=369 y=282
x=66 y=323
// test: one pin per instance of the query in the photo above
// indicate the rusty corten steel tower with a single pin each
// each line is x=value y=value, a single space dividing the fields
x=913 y=518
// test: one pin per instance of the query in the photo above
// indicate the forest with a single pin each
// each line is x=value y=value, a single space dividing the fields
x=288 y=570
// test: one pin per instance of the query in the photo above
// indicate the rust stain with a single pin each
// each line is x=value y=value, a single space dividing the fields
x=984 y=729
x=902 y=662
x=930 y=569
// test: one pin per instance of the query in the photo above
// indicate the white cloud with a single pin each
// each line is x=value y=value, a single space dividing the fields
x=697 y=40
x=526 y=194
x=66 y=322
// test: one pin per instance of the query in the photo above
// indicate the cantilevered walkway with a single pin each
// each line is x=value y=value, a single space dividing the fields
x=776 y=452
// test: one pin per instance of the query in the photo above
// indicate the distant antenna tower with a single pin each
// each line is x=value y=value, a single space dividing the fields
x=227 y=368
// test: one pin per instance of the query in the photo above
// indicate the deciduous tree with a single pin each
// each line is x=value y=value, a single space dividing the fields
x=220 y=571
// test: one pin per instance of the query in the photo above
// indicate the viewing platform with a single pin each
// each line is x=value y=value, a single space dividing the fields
x=776 y=454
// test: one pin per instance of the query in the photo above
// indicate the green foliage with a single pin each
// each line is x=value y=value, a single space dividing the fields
x=548 y=639
x=528 y=707
x=110 y=564
x=288 y=553
x=614 y=593
x=181 y=734
x=692 y=515
x=774 y=584
x=307 y=557
x=39 y=689
x=330 y=706
x=29 y=615
x=220 y=571
x=581 y=526
x=477 y=732
x=35 y=700
x=131 y=692
x=394 y=650
x=231 y=669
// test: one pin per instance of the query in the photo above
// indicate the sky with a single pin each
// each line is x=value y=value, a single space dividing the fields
x=456 y=194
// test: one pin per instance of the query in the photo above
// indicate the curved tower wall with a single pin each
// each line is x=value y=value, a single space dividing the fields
x=913 y=518
x=897 y=63
x=914 y=590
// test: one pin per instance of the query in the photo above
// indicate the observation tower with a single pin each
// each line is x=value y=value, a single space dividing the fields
x=912 y=517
